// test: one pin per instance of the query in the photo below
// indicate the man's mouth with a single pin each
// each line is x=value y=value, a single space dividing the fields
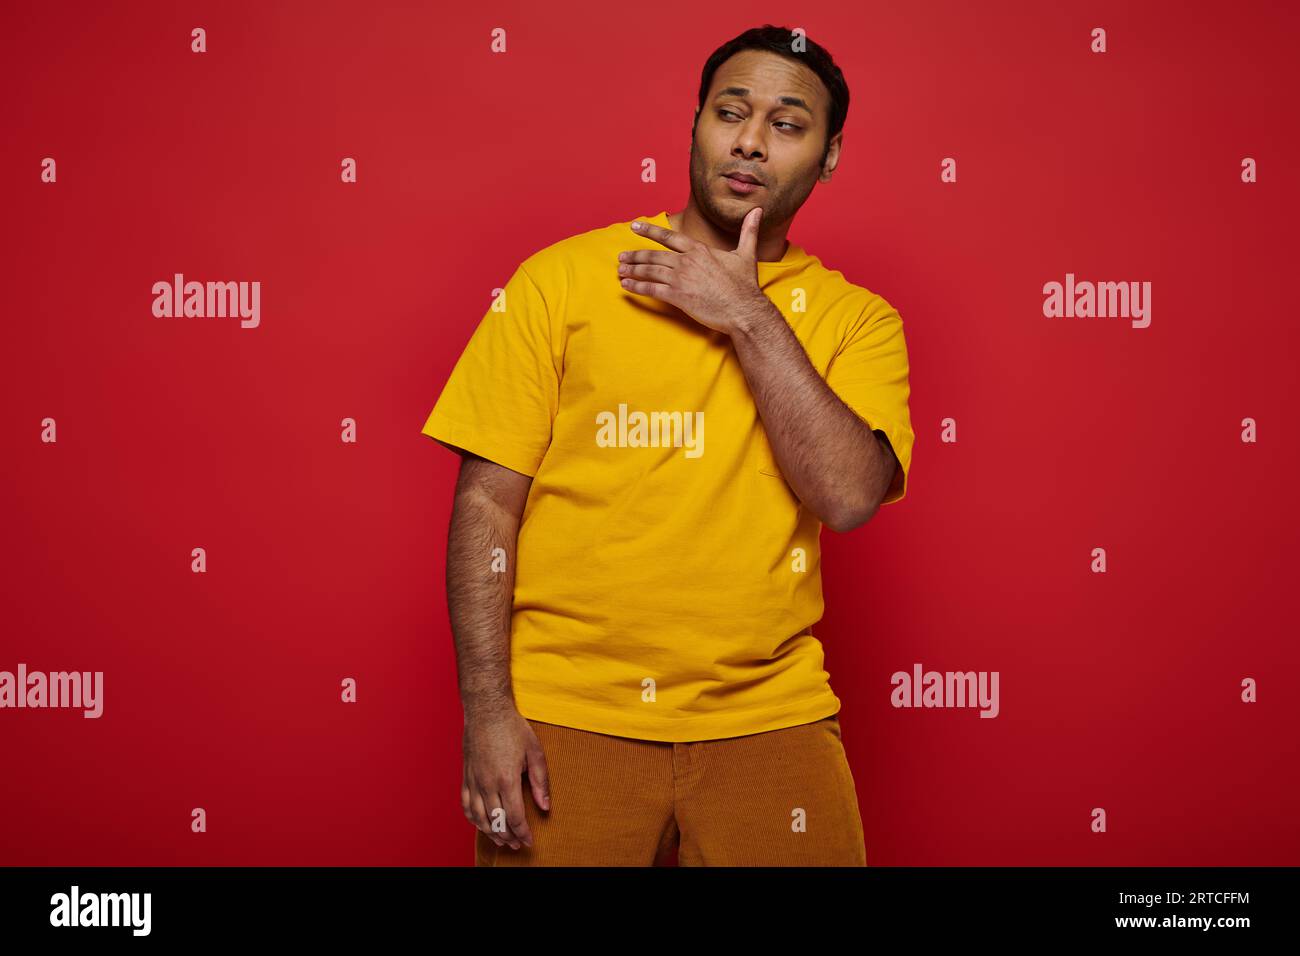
x=742 y=183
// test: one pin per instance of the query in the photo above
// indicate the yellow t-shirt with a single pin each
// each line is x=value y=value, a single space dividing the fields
x=666 y=577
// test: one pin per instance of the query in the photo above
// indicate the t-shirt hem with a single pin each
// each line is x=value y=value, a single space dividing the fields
x=473 y=440
x=619 y=723
x=900 y=440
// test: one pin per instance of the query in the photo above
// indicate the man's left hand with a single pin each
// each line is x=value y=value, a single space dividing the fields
x=715 y=287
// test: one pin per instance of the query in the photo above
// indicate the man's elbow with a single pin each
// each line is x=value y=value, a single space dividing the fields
x=854 y=515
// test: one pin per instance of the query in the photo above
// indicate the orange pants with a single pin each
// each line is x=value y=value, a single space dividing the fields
x=781 y=798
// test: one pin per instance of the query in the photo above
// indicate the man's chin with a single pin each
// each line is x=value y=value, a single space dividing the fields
x=735 y=208
x=728 y=211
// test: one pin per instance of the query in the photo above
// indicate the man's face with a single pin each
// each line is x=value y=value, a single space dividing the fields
x=744 y=127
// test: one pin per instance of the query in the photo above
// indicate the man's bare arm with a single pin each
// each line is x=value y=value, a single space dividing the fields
x=499 y=744
x=488 y=507
x=827 y=453
x=832 y=459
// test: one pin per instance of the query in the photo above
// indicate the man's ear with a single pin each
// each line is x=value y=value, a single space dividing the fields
x=832 y=157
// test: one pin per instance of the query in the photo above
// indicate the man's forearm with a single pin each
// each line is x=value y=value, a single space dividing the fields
x=480 y=600
x=831 y=458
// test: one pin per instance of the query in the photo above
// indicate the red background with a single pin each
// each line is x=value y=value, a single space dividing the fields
x=325 y=560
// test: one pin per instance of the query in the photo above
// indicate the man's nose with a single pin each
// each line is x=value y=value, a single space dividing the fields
x=749 y=141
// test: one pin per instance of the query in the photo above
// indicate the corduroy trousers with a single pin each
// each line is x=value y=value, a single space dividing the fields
x=780 y=798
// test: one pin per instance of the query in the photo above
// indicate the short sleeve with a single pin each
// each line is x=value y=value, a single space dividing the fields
x=502 y=394
x=870 y=375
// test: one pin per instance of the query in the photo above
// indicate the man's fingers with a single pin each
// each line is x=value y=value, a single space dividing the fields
x=499 y=810
x=748 y=245
x=516 y=819
x=660 y=257
x=539 y=780
x=665 y=237
x=481 y=818
x=656 y=290
x=651 y=273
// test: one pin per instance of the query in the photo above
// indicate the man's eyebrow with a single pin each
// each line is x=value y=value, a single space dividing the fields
x=783 y=100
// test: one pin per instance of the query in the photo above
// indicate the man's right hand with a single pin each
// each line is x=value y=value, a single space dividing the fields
x=499 y=747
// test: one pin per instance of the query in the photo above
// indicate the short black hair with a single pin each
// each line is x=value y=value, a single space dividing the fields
x=778 y=40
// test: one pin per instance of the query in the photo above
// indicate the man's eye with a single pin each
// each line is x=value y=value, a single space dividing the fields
x=792 y=126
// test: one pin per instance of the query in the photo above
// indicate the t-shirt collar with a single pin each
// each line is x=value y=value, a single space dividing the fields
x=793 y=260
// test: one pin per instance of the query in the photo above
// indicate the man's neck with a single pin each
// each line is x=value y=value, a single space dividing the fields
x=689 y=222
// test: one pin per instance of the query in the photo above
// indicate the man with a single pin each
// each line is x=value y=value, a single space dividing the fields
x=631 y=592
